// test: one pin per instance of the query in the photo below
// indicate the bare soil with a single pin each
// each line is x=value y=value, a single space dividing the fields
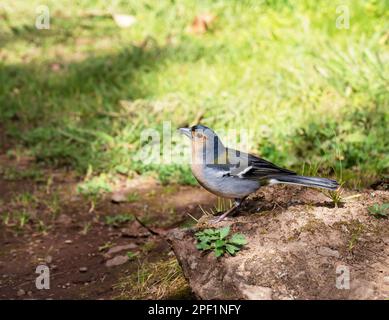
x=73 y=240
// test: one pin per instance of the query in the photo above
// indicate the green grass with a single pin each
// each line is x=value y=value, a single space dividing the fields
x=118 y=219
x=309 y=93
x=336 y=196
x=159 y=280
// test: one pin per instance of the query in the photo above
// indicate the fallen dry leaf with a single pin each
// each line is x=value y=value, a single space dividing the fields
x=201 y=23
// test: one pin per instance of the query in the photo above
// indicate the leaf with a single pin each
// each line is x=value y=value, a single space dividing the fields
x=379 y=211
x=199 y=234
x=203 y=246
x=238 y=239
x=209 y=232
x=202 y=239
x=231 y=249
x=219 y=252
x=131 y=255
x=223 y=232
x=219 y=243
x=213 y=237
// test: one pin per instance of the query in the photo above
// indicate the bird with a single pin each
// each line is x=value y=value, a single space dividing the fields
x=233 y=174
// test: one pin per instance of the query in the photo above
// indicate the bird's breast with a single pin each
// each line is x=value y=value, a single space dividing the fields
x=220 y=183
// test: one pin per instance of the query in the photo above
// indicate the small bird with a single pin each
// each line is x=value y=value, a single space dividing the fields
x=234 y=174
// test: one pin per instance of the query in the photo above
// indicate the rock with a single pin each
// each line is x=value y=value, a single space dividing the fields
x=21 y=293
x=117 y=261
x=361 y=289
x=49 y=259
x=293 y=252
x=134 y=230
x=256 y=292
x=386 y=280
x=68 y=241
x=64 y=220
x=119 y=197
x=117 y=249
x=83 y=269
x=327 y=252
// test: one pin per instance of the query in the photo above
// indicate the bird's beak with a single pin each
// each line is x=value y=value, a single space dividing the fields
x=185 y=131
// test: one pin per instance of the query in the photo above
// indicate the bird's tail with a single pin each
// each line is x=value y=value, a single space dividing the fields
x=306 y=181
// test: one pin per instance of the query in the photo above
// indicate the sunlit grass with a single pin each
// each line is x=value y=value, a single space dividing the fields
x=79 y=95
x=160 y=280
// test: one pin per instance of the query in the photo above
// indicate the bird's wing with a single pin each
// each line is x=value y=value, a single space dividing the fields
x=248 y=166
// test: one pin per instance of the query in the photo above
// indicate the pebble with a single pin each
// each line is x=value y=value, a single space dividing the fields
x=68 y=241
x=117 y=261
x=121 y=248
x=119 y=197
x=327 y=252
x=64 y=219
x=83 y=269
x=21 y=292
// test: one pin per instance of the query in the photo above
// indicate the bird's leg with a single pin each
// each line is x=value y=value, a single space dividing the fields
x=237 y=204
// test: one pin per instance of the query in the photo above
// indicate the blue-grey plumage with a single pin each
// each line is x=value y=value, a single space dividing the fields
x=234 y=174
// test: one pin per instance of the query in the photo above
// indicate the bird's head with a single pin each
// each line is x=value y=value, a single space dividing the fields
x=199 y=133
x=205 y=142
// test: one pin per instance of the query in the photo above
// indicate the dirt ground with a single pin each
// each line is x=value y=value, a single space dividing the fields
x=62 y=232
x=91 y=250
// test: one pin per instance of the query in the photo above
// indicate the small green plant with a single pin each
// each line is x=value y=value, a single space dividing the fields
x=335 y=196
x=105 y=246
x=133 y=197
x=6 y=218
x=356 y=230
x=86 y=228
x=149 y=246
x=22 y=218
x=15 y=174
x=41 y=226
x=95 y=186
x=132 y=255
x=379 y=210
x=219 y=241
x=118 y=219
x=25 y=199
x=53 y=203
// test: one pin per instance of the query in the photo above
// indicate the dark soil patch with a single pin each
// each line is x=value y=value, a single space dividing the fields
x=73 y=241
